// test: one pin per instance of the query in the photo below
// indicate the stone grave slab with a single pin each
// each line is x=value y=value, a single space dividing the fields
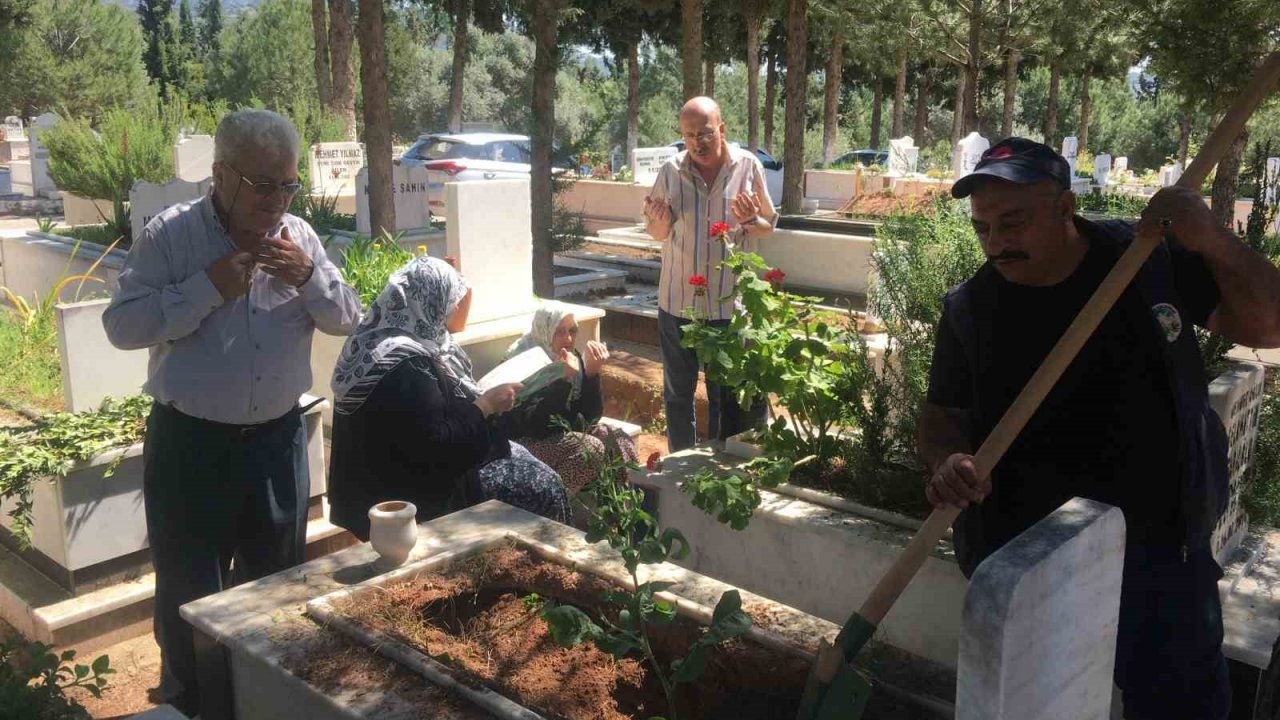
x=968 y=153
x=645 y=163
x=903 y=156
x=1169 y=174
x=14 y=129
x=489 y=231
x=1236 y=395
x=409 y=193
x=193 y=158
x=1070 y=147
x=1101 y=168
x=147 y=199
x=1038 y=637
x=41 y=185
x=334 y=166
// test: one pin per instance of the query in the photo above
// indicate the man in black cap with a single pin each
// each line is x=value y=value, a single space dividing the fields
x=1128 y=424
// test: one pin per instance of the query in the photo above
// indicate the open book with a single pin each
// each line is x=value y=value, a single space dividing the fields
x=532 y=367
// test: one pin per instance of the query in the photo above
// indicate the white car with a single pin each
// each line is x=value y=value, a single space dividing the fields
x=461 y=157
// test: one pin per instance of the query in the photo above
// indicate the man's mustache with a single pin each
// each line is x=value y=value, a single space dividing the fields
x=1009 y=255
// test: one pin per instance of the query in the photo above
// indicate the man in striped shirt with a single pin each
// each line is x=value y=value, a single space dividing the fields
x=707 y=183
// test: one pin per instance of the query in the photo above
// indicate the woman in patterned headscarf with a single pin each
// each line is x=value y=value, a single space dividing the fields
x=410 y=423
x=574 y=455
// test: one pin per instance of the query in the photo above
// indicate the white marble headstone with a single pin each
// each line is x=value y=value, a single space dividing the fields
x=1236 y=395
x=408 y=192
x=1038 y=632
x=13 y=129
x=193 y=158
x=334 y=166
x=147 y=199
x=1169 y=175
x=968 y=153
x=903 y=156
x=1070 y=147
x=645 y=163
x=494 y=248
x=1101 y=168
x=1272 y=181
x=1121 y=164
x=41 y=183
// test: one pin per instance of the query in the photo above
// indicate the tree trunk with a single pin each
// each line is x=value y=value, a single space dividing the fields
x=1010 y=91
x=753 y=83
x=1223 y=201
x=877 y=101
x=320 y=29
x=1086 y=111
x=709 y=84
x=691 y=51
x=1051 y=106
x=957 y=122
x=633 y=97
x=923 y=85
x=1184 y=136
x=793 y=132
x=971 y=69
x=545 y=62
x=344 y=74
x=377 y=116
x=831 y=100
x=900 y=96
x=770 y=100
x=461 y=19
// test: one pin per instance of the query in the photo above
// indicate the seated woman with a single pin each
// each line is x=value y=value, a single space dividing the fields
x=579 y=400
x=409 y=421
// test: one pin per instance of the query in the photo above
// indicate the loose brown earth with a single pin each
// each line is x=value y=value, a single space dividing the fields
x=473 y=618
x=622 y=251
x=885 y=204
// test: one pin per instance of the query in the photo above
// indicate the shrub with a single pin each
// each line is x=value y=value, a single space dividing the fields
x=34 y=681
x=368 y=263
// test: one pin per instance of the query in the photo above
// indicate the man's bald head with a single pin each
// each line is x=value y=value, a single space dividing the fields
x=703 y=133
x=701 y=108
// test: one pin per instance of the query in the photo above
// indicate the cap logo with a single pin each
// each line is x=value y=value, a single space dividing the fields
x=1000 y=153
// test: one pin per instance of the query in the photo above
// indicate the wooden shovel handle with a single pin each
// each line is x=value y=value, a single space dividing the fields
x=1024 y=406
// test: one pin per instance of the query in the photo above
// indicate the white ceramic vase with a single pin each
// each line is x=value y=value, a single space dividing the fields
x=393 y=530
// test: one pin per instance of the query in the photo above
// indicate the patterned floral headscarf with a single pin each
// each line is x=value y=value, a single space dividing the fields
x=407 y=319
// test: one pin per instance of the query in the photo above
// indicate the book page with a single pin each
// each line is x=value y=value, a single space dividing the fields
x=517 y=369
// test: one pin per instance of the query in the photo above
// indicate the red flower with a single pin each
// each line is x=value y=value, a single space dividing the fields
x=698 y=281
x=719 y=230
x=775 y=277
x=654 y=462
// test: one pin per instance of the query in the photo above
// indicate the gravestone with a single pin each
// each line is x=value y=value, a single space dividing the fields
x=41 y=184
x=968 y=153
x=1169 y=175
x=494 y=249
x=147 y=199
x=1236 y=395
x=334 y=167
x=13 y=129
x=1101 y=169
x=1038 y=632
x=193 y=158
x=1070 y=147
x=408 y=191
x=645 y=163
x=1272 y=181
x=903 y=156
x=1121 y=164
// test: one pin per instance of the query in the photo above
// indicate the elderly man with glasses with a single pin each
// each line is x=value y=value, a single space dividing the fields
x=225 y=292
x=707 y=184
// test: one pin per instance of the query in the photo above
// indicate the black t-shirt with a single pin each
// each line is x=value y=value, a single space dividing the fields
x=1108 y=429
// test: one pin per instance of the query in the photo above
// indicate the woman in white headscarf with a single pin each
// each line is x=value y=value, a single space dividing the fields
x=410 y=423
x=555 y=330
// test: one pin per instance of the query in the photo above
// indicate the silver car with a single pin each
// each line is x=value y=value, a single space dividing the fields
x=462 y=157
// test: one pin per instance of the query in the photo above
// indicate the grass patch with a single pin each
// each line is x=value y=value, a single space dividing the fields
x=100 y=235
x=30 y=374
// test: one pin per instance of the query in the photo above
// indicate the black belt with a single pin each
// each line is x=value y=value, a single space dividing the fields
x=245 y=432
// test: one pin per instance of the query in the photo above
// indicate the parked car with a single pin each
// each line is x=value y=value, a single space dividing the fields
x=866 y=158
x=462 y=157
x=772 y=170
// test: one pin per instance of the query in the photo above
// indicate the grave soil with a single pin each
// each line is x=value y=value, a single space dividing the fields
x=473 y=618
x=884 y=204
x=622 y=251
x=898 y=489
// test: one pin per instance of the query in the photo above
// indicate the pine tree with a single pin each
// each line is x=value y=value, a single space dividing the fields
x=186 y=26
x=210 y=25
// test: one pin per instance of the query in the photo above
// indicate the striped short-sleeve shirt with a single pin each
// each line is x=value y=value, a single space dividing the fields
x=690 y=250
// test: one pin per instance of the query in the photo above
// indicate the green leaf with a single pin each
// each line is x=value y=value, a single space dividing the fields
x=691 y=667
x=672 y=537
x=569 y=626
x=82 y=671
x=101 y=664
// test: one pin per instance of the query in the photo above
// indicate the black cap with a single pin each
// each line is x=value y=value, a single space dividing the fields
x=1017 y=160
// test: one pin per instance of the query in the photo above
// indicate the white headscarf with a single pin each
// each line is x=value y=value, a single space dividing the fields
x=407 y=319
x=543 y=330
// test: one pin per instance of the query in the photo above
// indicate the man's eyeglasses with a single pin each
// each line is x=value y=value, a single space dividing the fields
x=267 y=189
x=703 y=137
